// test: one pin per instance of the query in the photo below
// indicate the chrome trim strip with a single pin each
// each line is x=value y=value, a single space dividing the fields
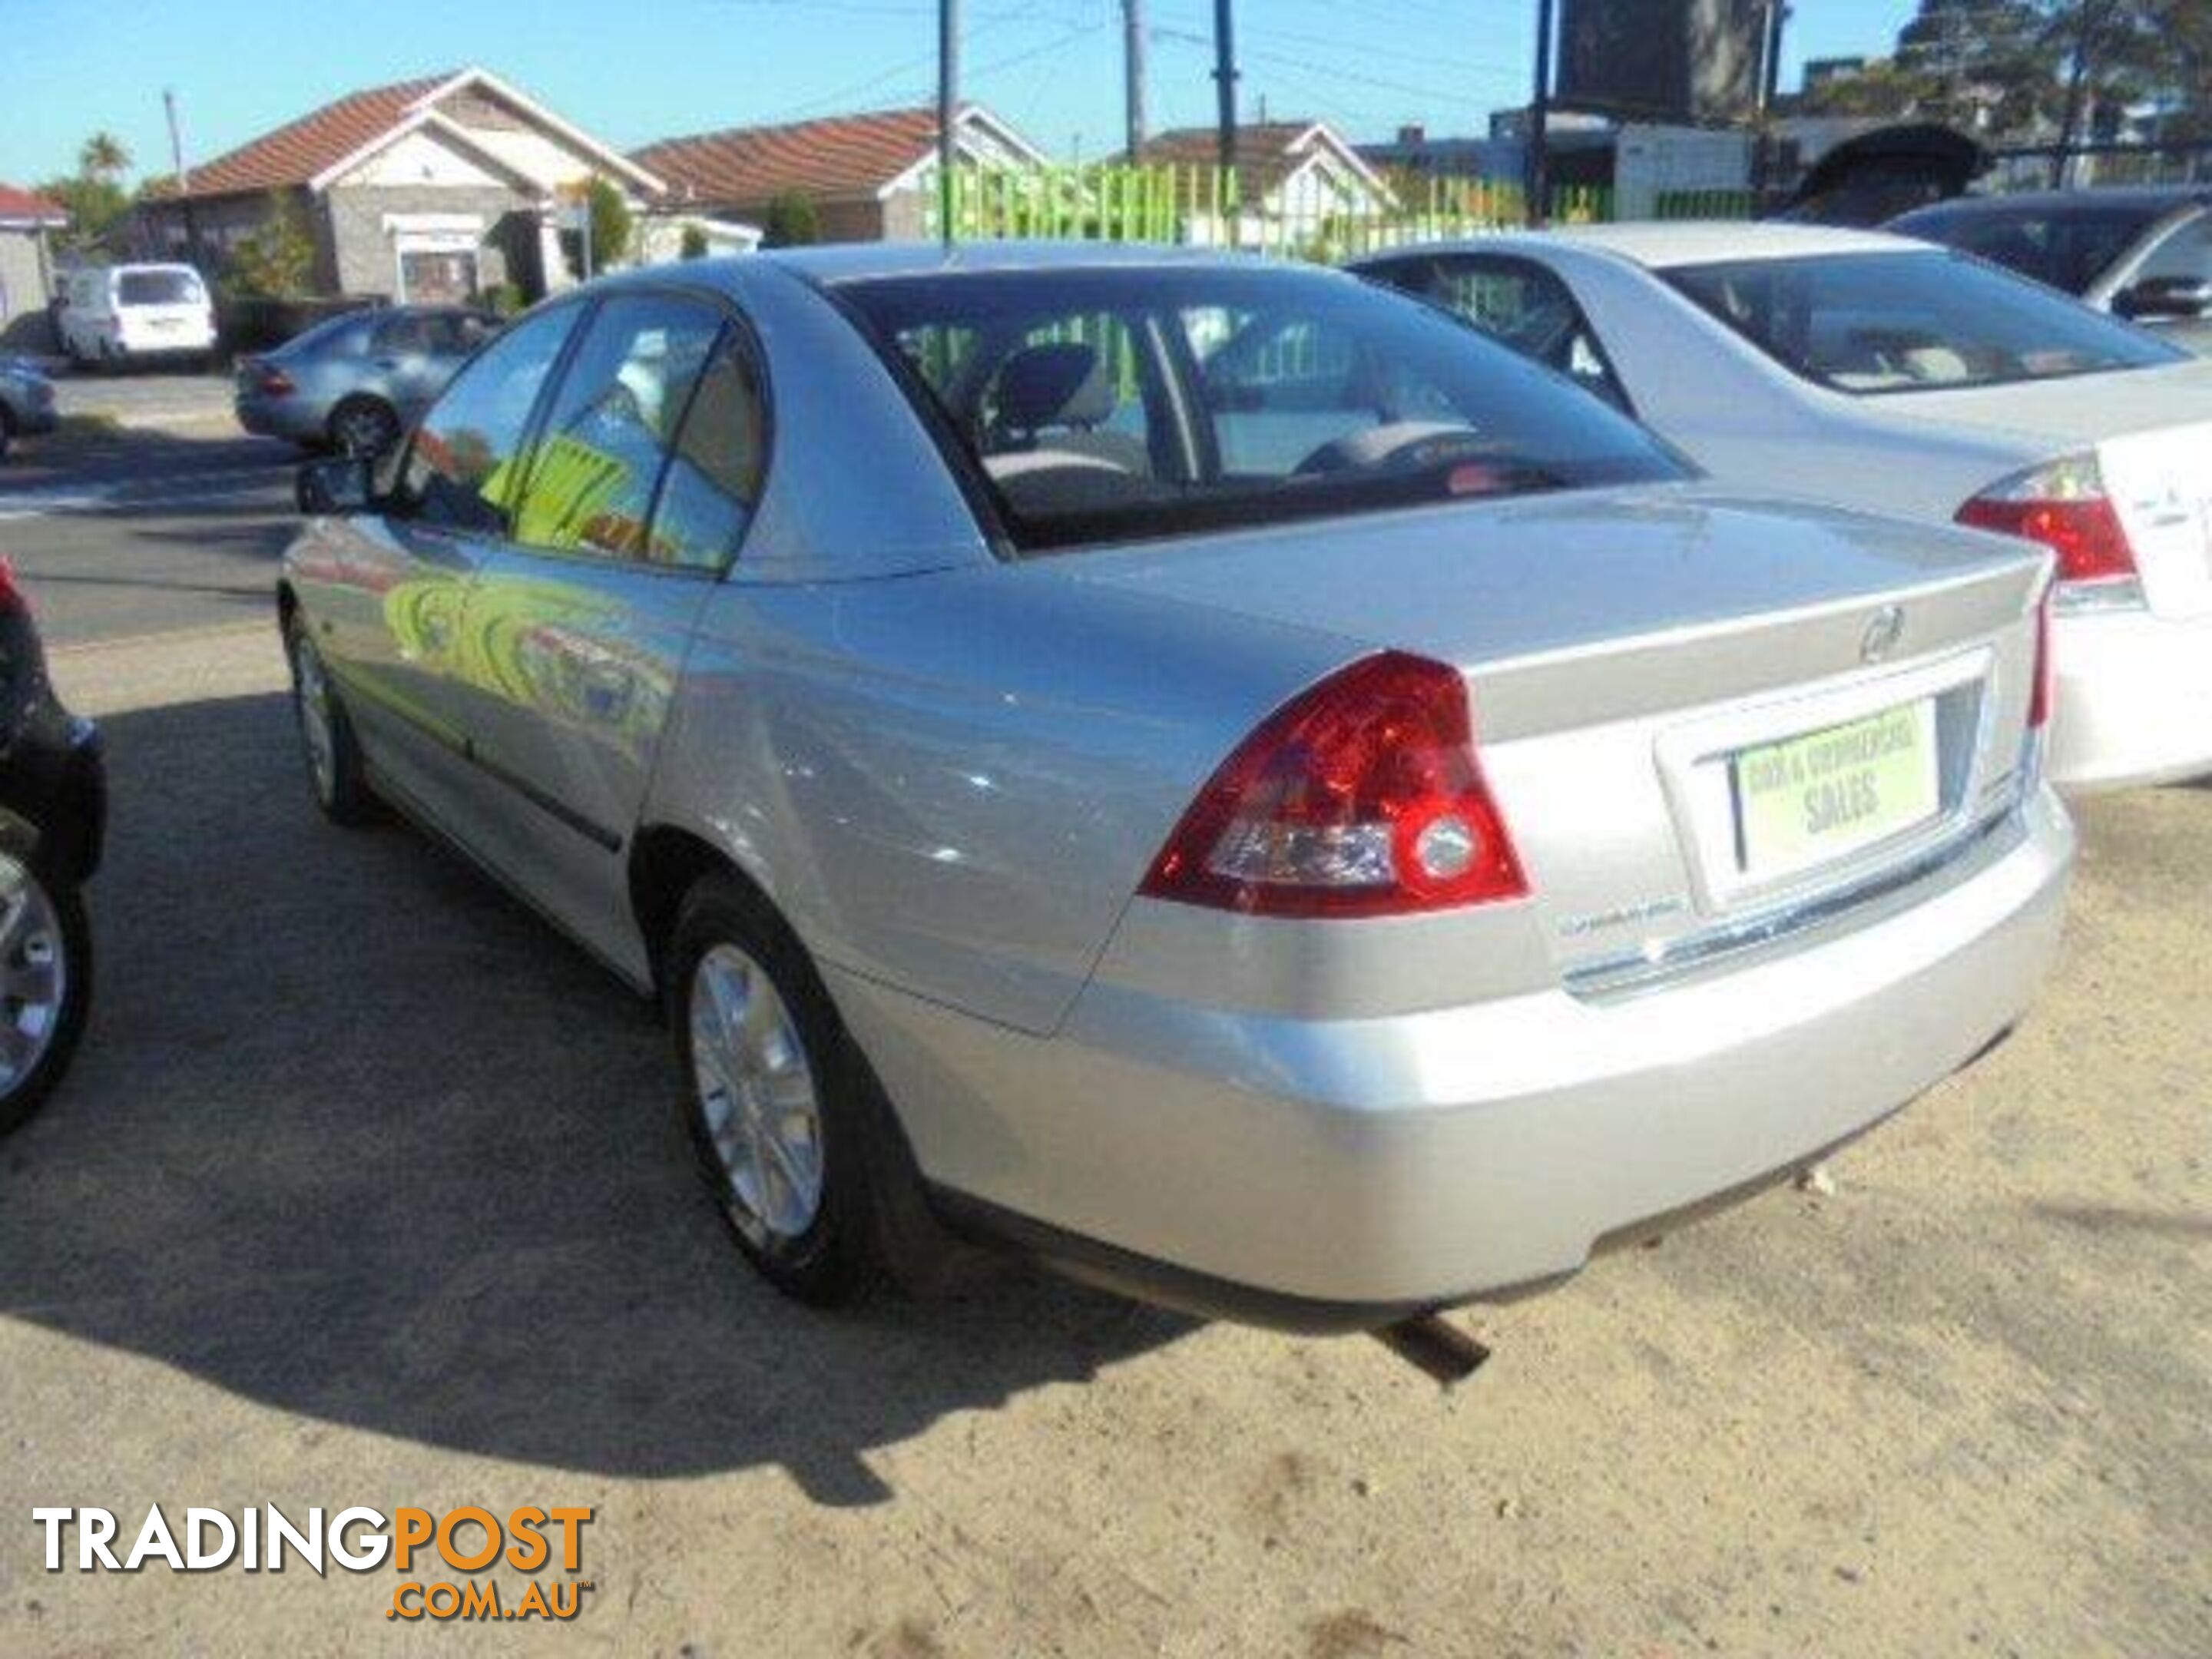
x=1633 y=973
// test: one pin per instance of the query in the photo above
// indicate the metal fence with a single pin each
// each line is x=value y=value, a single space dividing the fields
x=1212 y=207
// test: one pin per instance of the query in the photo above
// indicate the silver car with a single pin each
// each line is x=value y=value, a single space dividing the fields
x=354 y=383
x=1206 y=769
x=26 y=402
x=1861 y=369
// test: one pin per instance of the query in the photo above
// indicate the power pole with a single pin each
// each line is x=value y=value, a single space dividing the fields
x=184 y=174
x=948 y=110
x=1539 y=182
x=1133 y=73
x=1225 y=80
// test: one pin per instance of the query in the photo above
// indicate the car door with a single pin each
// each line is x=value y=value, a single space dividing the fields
x=642 y=479
x=1521 y=304
x=394 y=632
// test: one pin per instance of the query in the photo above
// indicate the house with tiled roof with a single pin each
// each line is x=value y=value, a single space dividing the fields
x=870 y=177
x=26 y=221
x=435 y=189
x=1298 y=175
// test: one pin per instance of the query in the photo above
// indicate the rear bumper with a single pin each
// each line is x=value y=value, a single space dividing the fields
x=53 y=796
x=1339 y=1174
x=34 y=419
x=2135 y=700
x=293 y=418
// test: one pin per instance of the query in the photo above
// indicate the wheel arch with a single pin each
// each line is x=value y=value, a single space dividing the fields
x=666 y=861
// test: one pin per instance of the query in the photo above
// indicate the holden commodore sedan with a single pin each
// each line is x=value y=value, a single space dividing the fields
x=1212 y=772
x=1875 y=372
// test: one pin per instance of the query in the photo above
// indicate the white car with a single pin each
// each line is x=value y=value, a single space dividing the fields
x=1882 y=373
x=118 y=314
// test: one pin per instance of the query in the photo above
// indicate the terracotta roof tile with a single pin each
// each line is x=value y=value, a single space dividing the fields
x=18 y=205
x=839 y=155
x=297 y=151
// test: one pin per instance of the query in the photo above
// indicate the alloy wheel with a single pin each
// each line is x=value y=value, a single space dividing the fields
x=757 y=1098
x=33 y=973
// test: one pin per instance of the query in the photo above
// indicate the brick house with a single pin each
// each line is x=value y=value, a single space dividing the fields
x=870 y=176
x=25 y=221
x=429 y=190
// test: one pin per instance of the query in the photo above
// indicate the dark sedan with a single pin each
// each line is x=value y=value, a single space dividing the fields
x=2144 y=254
x=354 y=384
x=53 y=809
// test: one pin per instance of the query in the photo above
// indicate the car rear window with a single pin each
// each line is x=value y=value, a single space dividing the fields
x=158 y=288
x=1883 y=323
x=1108 y=404
x=2068 y=249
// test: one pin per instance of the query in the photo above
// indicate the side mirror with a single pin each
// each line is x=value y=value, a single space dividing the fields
x=340 y=485
x=2157 y=299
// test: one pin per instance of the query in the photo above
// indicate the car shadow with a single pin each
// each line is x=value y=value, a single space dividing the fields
x=353 y=1135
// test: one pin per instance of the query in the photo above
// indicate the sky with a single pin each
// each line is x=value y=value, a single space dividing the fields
x=652 y=68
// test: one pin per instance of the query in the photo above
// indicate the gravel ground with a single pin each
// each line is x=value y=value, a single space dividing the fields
x=364 y=1192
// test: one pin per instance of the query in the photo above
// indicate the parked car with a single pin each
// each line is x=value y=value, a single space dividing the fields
x=1206 y=769
x=354 y=383
x=53 y=801
x=113 y=315
x=26 y=402
x=1865 y=369
x=2144 y=254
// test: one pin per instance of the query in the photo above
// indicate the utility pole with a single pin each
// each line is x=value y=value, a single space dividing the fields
x=184 y=175
x=1133 y=73
x=1225 y=80
x=948 y=110
x=1538 y=184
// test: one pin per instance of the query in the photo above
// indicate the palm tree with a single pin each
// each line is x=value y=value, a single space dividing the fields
x=103 y=156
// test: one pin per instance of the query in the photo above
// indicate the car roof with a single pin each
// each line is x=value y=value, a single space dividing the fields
x=1663 y=243
x=2128 y=198
x=860 y=261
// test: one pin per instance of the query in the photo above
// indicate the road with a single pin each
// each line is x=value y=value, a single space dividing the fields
x=174 y=521
x=366 y=1191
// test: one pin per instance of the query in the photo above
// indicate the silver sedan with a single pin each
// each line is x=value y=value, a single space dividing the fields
x=1880 y=374
x=354 y=383
x=1210 y=771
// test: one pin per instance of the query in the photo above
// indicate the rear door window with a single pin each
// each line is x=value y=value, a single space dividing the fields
x=1532 y=310
x=158 y=288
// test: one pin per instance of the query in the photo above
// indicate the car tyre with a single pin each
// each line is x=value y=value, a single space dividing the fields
x=46 y=985
x=7 y=431
x=328 y=744
x=793 y=1137
x=365 y=427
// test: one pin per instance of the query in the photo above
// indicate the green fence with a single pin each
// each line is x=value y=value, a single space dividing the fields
x=1209 y=207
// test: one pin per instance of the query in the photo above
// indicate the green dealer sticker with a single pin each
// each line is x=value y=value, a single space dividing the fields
x=1823 y=796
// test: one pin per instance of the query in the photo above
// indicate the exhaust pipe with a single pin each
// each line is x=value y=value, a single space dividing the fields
x=1434 y=1346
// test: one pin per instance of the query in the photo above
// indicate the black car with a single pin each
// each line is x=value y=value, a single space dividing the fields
x=2143 y=253
x=53 y=811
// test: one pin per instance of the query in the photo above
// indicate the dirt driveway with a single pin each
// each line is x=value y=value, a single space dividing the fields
x=363 y=1193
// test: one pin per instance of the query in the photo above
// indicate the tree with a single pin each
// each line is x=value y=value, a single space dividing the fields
x=792 y=221
x=693 y=243
x=278 y=261
x=102 y=156
x=610 y=225
x=94 y=207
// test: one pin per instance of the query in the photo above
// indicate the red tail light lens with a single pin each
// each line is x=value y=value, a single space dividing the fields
x=2064 y=507
x=275 y=382
x=13 y=600
x=1360 y=797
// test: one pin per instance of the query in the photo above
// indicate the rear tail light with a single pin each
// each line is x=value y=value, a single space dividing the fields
x=1359 y=796
x=273 y=380
x=2063 y=505
x=13 y=602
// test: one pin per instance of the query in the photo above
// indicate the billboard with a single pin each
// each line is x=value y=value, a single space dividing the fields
x=1662 y=60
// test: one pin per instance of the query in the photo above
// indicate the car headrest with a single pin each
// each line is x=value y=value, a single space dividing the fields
x=1062 y=384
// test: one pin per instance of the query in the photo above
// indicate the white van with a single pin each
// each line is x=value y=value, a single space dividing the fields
x=114 y=314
